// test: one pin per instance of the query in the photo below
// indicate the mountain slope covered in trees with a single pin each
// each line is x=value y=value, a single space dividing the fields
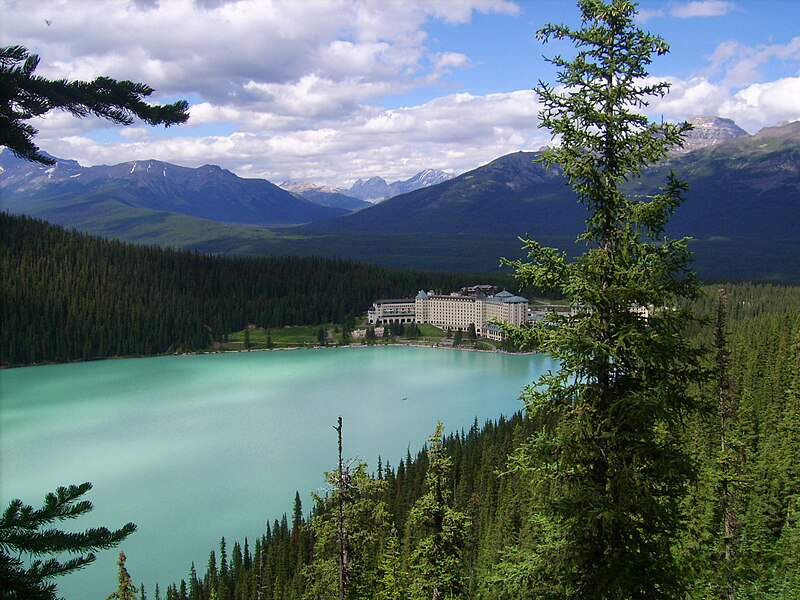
x=763 y=338
x=70 y=296
x=741 y=211
x=742 y=208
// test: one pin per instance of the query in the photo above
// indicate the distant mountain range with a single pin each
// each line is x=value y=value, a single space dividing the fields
x=743 y=186
x=376 y=189
x=742 y=209
x=325 y=195
x=69 y=194
x=370 y=191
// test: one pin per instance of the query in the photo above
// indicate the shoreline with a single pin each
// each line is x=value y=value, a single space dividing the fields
x=411 y=344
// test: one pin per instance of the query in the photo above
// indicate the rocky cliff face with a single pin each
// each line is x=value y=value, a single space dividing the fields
x=710 y=131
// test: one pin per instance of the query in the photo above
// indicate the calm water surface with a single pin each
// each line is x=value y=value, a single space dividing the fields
x=193 y=448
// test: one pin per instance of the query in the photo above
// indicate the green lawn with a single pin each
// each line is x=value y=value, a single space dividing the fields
x=306 y=335
x=283 y=337
x=431 y=332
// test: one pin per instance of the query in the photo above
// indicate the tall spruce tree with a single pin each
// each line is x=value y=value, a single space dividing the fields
x=730 y=481
x=439 y=531
x=349 y=527
x=126 y=590
x=606 y=463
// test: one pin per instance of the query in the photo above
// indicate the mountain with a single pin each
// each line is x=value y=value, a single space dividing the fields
x=708 y=131
x=746 y=187
x=742 y=208
x=376 y=189
x=742 y=212
x=68 y=194
x=512 y=194
x=324 y=195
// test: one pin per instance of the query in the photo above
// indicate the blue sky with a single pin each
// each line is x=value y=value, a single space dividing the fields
x=328 y=91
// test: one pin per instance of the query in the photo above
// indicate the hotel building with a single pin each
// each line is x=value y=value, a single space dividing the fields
x=454 y=311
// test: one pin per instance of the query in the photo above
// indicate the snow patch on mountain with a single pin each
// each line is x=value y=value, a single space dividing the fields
x=376 y=189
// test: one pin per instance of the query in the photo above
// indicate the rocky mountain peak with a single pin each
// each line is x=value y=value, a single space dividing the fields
x=376 y=189
x=301 y=187
x=709 y=131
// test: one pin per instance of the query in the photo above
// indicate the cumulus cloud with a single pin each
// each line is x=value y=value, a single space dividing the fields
x=763 y=104
x=751 y=107
x=447 y=61
x=687 y=10
x=686 y=99
x=741 y=64
x=455 y=133
x=288 y=89
x=701 y=8
x=215 y=48
x=647 y=14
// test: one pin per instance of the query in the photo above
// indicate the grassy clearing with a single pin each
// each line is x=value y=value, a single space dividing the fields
x=283 y=337
x=308 y=336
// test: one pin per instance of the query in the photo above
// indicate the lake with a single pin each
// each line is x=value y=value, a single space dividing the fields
x=194 y=448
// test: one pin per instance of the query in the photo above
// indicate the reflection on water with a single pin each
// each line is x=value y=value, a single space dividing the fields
x=193 y=448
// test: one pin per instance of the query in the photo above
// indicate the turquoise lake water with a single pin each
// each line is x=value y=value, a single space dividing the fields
x=193 y=448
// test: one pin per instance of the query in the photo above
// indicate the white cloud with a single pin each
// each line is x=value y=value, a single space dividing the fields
x=450 y=60
x=454 y=133
x=204 y=113
x=647 y=14
x=135 y=133
x=178 y=46
x=686 y=10
x=687 y=99
x=701 y=8
x=742 y=64
x=456 y=11
x=763 y=104
x=751 y=107
x=288 y=89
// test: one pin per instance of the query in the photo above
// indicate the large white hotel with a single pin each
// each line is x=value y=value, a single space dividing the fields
x=454 y=311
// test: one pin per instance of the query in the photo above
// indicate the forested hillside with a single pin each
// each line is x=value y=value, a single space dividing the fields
x=490 y=532
x=70 y=296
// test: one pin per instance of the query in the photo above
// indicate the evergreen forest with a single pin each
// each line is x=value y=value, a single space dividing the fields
x=70 y=296
x=658 y=461
x=747 y=537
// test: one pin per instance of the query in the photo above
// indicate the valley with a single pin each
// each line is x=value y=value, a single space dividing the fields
x=741 y=210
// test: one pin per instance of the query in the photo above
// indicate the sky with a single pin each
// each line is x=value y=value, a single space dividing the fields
x=328 y=91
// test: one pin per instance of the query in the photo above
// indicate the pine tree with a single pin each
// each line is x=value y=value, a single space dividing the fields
x=349 y=526
x=24 y=95
x=391 y=575
x=607 y=467
x=731 y=486
x=437 y=570
x=23 y=532
x=126 y=589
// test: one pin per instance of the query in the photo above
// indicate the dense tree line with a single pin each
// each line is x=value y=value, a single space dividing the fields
x=70 y=296
x=645 y=466
x=296 y=557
